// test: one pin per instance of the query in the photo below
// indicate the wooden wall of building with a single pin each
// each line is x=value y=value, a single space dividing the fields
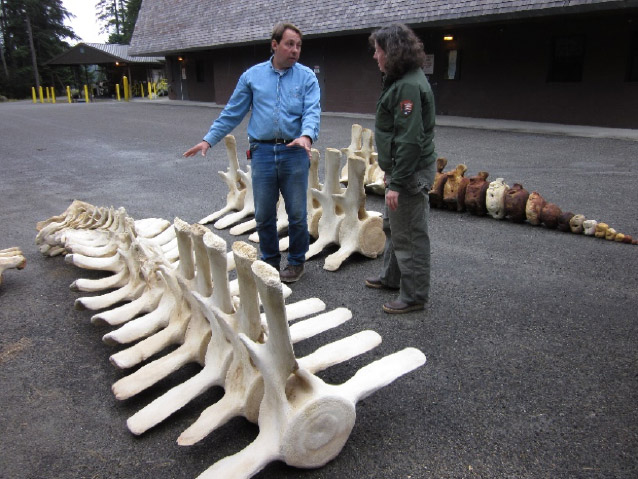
x=504 y=70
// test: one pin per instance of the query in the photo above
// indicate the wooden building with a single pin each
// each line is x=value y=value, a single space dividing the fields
x=571 y=62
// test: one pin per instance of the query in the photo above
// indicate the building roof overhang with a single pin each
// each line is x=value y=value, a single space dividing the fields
x=101 y=54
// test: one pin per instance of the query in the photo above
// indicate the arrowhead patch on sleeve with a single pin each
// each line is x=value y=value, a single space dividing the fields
x=406 y=107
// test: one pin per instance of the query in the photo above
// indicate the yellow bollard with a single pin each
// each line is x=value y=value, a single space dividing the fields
x=68 y=93
x=86 y=94
x=41 y=96
x=53 y=94
x=150 y=91
x=117 y=91
x=35 y=99
x=142 y=87
x=46 y=89
x=126 y=89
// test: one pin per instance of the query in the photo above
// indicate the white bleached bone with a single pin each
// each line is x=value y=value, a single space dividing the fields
x=134 y=258
x=195 y=338
x=495 y=198
x=151 y=295
x=50 y=232
x=359 y=231
x=236 y=186
x=243 y=228
x=210 y=256
x=375 y=176
x=302 y=420
x=329 y=216
x=245 y=319
x=178 y=310
x=151 y=228
x=249 y=203
x=354 y=146
x=150 y=322
x=175 y=314
x=11 y=258
x=243 y=385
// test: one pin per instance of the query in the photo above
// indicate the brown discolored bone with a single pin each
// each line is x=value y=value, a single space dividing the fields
x=534 y=207
x=610 y=234
x=564 y=221
x=550 y=214
x=515 y=201
x=454 y=189
x=436 y=193
x=475 y=194
x=601 y=230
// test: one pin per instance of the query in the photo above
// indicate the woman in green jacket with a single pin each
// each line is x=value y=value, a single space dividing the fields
x=404 y=134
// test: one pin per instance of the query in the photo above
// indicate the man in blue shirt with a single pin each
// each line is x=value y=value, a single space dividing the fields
x=284 y=98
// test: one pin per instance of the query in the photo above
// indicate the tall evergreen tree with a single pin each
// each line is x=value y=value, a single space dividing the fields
x=118 y=18
x=33 y=32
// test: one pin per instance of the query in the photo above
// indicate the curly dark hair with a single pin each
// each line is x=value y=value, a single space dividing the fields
x=403 y=49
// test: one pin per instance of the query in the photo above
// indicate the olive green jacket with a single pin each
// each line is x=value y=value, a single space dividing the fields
x=404 y=130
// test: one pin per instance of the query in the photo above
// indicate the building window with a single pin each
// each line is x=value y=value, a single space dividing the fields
x=199 y=71
x=568 y=56
x=632 y=74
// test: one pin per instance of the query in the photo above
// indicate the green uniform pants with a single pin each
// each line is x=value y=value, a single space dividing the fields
x=406 y=258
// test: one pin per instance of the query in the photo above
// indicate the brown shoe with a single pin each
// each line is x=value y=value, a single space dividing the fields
x=377 y=284
x=399 y=307
x=291 y=273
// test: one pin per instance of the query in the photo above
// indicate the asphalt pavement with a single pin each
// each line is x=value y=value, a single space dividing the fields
x=530 y=334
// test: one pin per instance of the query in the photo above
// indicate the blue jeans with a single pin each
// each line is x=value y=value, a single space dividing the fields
x=275 y=169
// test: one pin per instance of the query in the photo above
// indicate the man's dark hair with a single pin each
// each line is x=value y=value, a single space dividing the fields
x=279 y=29
x=403 y=49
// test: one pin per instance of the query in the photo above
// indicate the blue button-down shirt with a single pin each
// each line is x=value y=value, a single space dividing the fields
x=285 y=104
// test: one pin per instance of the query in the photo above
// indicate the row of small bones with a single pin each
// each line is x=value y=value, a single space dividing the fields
x=451 y=190
x=173 y=280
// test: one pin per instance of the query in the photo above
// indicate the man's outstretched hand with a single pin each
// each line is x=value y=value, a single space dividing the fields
x=202 y=146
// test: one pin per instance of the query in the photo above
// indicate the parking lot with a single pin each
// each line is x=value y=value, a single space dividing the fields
x=530 y=334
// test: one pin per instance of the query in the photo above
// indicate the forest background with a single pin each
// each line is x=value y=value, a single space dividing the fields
x=32 y=32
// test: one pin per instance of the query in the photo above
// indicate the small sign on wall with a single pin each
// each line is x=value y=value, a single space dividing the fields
x=428 y=67
x=317 y=70
x=183 y=73
x=452 y=65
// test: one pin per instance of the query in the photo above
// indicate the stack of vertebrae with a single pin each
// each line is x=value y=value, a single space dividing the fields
x=452 y=190
x=362 y=146
x=188 y=306
x=11 y=258
x=335 y=215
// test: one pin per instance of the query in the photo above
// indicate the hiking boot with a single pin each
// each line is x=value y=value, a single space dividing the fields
x=377 y=284
x=291 y=273
x=399 y=307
